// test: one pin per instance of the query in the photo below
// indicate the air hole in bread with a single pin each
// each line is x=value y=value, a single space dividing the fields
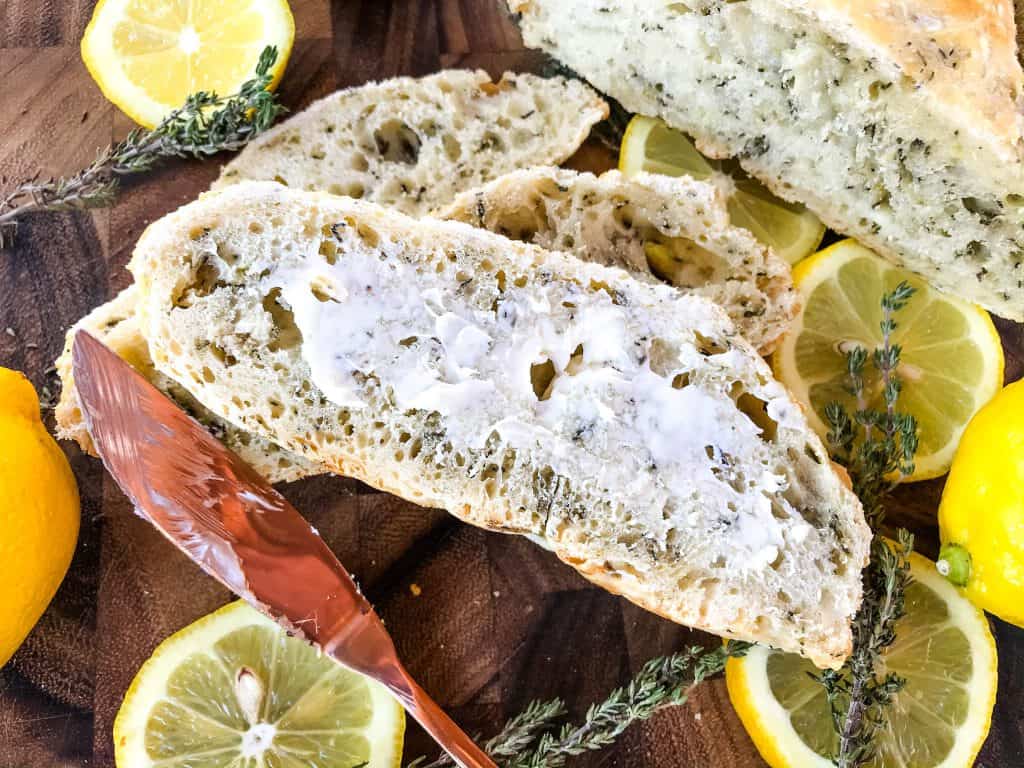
x=575 y=363
x=223 y=356
x=756 y=410
x=542 y=375
x=708 y=346
x=985 y=210
x=206 y=280
x=452 y=147
x=491 y=142
x=397 y=142
x=976 y=251
x=286 y=334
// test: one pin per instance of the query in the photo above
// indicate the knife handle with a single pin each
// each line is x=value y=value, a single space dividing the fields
x=446 y=733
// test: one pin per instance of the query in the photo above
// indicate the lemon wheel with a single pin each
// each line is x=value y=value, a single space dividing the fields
x=940 y=719
x=147 y=56
x=233 y=689
x=789 y=229
x=951 y=362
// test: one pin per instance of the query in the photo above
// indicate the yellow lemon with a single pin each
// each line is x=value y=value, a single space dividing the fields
x=147 y=56
x=232 y=689
x=789 y=229
x=981 y=517
x=39 y=513
x=951 y=362
x=943 y=649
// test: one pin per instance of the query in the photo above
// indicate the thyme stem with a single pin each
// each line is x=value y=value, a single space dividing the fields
x=529 y=741
x=204 y=125
x=882 y=457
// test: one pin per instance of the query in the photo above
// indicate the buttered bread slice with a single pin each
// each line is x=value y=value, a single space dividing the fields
x=414 y=143
x=522 y=390
x=898 y=123
x=675 y=230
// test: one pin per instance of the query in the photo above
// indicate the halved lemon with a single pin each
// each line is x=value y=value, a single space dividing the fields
x=943 y=649
x=233 y=689
x=951 y=362
x=789 y=229
x=147 y=56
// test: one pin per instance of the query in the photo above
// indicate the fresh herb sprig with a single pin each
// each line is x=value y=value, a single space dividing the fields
x=530 y=740
x=204 y=125
x=857 y=696
x=877 y=447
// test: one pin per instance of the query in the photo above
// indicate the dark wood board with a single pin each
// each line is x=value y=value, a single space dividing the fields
x=496 y=621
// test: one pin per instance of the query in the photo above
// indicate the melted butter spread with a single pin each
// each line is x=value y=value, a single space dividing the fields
x=607 y=421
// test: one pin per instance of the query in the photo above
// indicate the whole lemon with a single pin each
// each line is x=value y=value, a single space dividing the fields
x=39 y=512
x=981 y=517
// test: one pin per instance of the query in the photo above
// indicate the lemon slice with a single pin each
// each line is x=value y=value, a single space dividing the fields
x=950 y=366
x=233 y=689
x=943 y=649
x=147 y=56
x=789 y=229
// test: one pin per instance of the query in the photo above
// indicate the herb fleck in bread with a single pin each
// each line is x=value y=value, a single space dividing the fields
x=414 y=143
x=899 y=123
x=115 y=324
x=659 y=228
x=522 y=390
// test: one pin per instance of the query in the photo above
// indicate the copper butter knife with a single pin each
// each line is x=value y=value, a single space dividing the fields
x=241 y=531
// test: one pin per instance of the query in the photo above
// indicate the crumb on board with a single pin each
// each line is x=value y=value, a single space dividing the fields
x=415 y=589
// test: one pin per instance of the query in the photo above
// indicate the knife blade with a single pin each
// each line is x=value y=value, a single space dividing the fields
x=236 y=527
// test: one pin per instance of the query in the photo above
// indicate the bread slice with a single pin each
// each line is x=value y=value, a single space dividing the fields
x=897 y=123
x=522 y=390
x=414 y=143
x=115 y=324
x=675 y=230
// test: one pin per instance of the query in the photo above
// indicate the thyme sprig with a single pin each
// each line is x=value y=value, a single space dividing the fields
x=530 y=739
x=204 y=125
x=877 y=447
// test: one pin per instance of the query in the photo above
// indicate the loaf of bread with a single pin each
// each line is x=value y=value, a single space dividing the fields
x=414 y=143
x=899 y=123
x=675 y=230
x=522 y=390
x=455 y=129
x=115 y=324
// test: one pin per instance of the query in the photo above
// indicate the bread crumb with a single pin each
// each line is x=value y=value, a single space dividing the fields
x=415 y=589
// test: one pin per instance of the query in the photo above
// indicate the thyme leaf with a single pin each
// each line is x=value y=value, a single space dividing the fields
x=531 y=740
x=204 y=125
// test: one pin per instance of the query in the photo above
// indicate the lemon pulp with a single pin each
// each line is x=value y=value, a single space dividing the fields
x=951 y=362
x=789 y=229
x=234 y=690
x=943 y=650
x=149 y=55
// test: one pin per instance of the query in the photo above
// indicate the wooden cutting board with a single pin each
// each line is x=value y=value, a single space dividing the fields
x=493 y=621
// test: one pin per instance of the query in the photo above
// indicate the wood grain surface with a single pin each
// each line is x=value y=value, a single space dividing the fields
x=495 y=622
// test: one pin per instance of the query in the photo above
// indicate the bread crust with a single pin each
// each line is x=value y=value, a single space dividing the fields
x=961 y=53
